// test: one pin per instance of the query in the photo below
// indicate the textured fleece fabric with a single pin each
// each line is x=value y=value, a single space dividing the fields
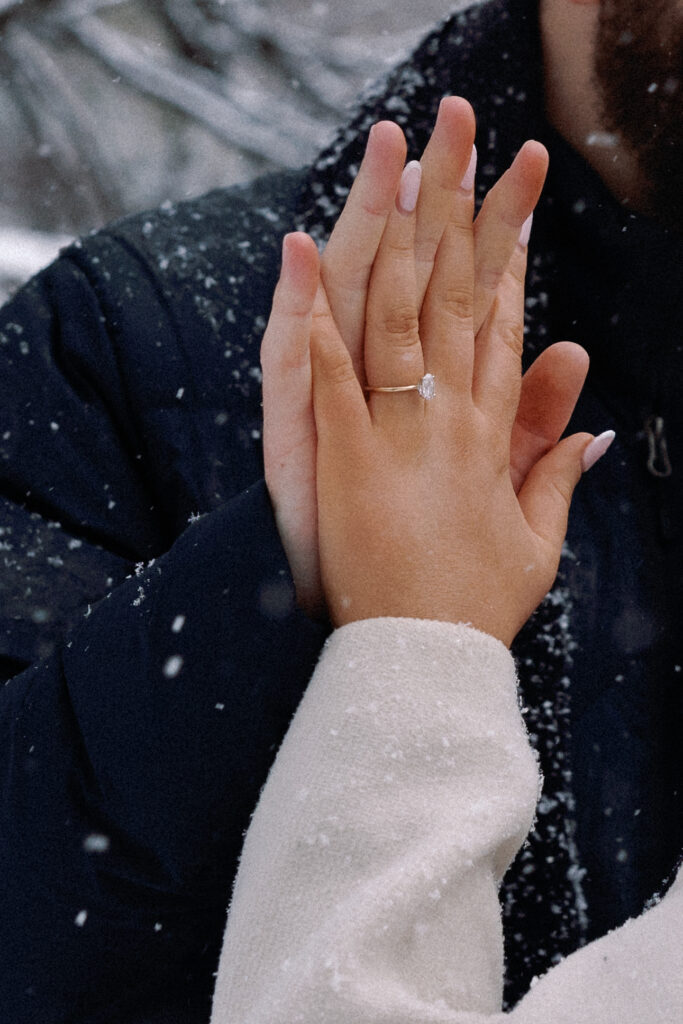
x=368 y=886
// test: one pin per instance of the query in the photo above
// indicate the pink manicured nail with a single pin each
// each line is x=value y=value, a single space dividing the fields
x=596 y=449
x=467 y=183
x=525 y=233
x=409 y=189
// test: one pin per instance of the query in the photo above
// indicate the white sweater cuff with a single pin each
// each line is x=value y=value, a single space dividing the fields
x=404 y=787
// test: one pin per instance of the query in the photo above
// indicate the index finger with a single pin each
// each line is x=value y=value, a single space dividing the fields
x=349 y=254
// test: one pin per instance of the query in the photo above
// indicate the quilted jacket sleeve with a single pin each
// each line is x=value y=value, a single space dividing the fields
x=148 y=630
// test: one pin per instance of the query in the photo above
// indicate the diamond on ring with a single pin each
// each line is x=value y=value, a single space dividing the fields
x=427 y=387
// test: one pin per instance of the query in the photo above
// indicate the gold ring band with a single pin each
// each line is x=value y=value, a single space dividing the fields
x=426 y=387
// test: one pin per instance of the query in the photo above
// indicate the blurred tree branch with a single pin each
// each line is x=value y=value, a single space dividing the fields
x=112 y=105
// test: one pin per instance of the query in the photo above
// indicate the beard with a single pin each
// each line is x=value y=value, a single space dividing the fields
x=639 y=72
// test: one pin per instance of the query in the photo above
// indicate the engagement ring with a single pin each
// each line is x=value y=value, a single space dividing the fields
x=426 y=387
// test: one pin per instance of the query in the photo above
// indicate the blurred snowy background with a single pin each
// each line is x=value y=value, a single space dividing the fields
x=113 y=106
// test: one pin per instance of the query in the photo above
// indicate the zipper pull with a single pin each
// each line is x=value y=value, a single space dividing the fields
x=658 y=463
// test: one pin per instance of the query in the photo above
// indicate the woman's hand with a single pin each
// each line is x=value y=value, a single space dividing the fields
x=448 y=168
x=419 y=512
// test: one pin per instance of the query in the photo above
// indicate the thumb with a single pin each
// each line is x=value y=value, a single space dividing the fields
x=547 y=492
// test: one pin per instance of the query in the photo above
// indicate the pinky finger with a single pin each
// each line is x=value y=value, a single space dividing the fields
x=547 y=492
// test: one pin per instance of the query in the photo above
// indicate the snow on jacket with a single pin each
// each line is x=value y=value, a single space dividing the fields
x=147 y=624
x=368 y=886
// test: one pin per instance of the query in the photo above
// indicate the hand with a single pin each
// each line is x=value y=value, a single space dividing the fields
x=419 y=514
x=289 y=430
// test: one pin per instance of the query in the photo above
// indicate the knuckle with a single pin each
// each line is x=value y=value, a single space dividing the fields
x=399 y=248
x=295 y=362
x=516 y=269
x=425 y=252
x=283 y=357
x=511 y=334
x=342 y=273
x=321 y=320
x=460 y=232
x=338 y=369
x=489 y=278
x=562 y=490
x=458 y=302
x=401 y=324
x=374 y=208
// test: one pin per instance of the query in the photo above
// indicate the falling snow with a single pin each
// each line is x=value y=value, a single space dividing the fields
x=173 y=666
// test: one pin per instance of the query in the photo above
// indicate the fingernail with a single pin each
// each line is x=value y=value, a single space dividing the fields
x=409 y=188
x=285 y=253
x=596 y=449
x=525 y=233
x=467 y=183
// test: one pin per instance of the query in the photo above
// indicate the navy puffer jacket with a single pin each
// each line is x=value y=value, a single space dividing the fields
x=147 y=623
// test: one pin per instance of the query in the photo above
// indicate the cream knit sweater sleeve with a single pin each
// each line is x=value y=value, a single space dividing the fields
x=368 y=886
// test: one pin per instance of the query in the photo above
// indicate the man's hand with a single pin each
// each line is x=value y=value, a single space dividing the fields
x=446 y=198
